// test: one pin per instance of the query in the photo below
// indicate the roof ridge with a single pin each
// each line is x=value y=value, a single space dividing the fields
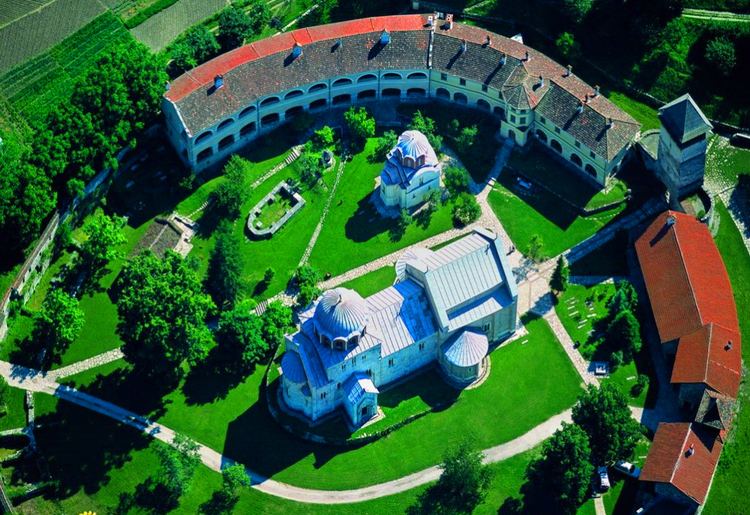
x=685 y=271
x=679 y=457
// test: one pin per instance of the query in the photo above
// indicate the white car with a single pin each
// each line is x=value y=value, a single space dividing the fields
x=628 y=469
x=603 y=478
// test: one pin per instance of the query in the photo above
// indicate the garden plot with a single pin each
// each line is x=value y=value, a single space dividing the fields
x=161 y=29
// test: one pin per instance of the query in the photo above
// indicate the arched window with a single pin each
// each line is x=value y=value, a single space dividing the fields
x=368 y=93
x=247 y=111
x=460 y=98
x=556 y=145
x=541 y=136
x=226 y=141
x=499 y=111
x=367 y=78
x=341 y=82
x=318 y=104
x=442 y=93
x=392 y=76
x=269 y=119
x=341 y=99
x=226 y=123
x=409 y=162
x=205 y=154
x=354 y=340
x=590 y=170
x=575 y=159
x=391 y=92
x=340 y=343
x=317 y=87
x=294 y=94
x=417 y=76
x=203 y=137
x=269 y=101
x=247 y=129
x=483 y=104
x=293 y=111
x=416 y=92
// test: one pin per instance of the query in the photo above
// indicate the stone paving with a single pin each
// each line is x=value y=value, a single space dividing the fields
x=580 y=364
x=81 y=366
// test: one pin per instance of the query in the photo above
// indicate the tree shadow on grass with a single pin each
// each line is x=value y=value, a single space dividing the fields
x=366 y=223
x=212 y=379
x=550 y=207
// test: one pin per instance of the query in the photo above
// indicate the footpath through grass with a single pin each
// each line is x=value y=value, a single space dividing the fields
x=234 y=419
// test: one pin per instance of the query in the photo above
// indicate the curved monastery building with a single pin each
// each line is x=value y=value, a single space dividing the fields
x=229 y=101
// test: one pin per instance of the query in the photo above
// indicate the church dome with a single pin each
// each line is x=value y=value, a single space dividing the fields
x=467 y=349
x=414 y=148
x=340 y=313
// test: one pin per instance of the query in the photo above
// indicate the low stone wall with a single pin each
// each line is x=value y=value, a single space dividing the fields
x=283 y=189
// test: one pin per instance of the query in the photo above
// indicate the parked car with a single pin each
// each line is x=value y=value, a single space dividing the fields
x=627 y=468
x=603 y=478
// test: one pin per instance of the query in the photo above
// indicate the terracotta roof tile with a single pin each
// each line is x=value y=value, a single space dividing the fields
x=671 y=460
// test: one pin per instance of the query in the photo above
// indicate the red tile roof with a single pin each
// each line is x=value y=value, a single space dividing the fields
x=685 y=277
x=705 y=356
x=670 y=459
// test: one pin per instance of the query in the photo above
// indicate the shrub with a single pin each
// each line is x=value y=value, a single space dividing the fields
x=466 y=210
x=456 y=181
x=720 y=55
x=640 y=385
x=535 y=249
x=385 y=143
x=323 y=138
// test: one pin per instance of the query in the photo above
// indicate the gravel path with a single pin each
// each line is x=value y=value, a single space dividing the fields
x=80 y=366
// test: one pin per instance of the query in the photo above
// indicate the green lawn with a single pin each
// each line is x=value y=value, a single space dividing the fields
x=728 y=491
x=271 y=212
x=646 y=115
x=559 y=226
x=354 y=232
x=579 y=309
x=15 y=410
x=514 y=398
x=372 y=282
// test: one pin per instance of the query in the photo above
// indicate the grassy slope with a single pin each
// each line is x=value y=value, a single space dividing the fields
x=372 y=282
x=356 y=230
x=728 y=491
x=240 y=426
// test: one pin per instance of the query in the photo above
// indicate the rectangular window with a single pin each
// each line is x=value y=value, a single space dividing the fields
x=354 y=360
x=578 y=144
x=343 y=366
x=593 y=156
x=322 y=395
x=443 y=76
x=462 y=82
x=512 y=118
x=557 y=130
x=390 y=362
x=523 y=120
x=421 y=346
x=486 y=328
x=484 y=88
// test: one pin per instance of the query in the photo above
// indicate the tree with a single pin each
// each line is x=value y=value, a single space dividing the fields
x=456 y=181
x=234 y=477
x=462 y=486
x=567 y=45
x=360 y=124
x=307 y=278
x=576 y=10
x=224 y=278
x=624 y=298
x=384 y=145
x=604 y=415
x=177 y=466
x=466 y=209
x=535 y=249
x=276 y=321
x=240 y=339
x=721 y=56
x=323 y=138
x=558 y=481
x=103 y=237
x=228 y=197
x=268 y=275
x=426 y=125
x=234 y=26
x=59 y=322
x=197 y=46
x=466 y=139
x=162 y=311
x=559 y=280
x=398 y=229
x=624 y=334
x=260 y=15
x=309 y=169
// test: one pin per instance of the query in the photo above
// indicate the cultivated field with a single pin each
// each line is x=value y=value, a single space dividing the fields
x=13 y=9
x=41 y=29
x=37 y=85
x=161 y=29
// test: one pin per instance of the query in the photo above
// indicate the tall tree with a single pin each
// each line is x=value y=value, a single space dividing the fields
x=360 y=124
x=276 y=322
x=307 y=279
x=224 y=278
x=177 y=466
x=462 y=486
x=466 y=210
x=228 y=197
x=604 y=415
x=624 y=334
x=385 y=143
x=197 y=46
x=240 y=339
x=59 y=322
x=162 y=311
x=456 y=181
x=428 y=127
x=234 y=26
x=559 y=280
x=103 y=237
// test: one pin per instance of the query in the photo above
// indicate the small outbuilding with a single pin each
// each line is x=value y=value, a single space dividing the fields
x=411 y=172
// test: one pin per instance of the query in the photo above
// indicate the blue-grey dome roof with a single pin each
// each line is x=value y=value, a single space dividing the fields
x=414 y=144
x=340 y=313
x=467 y=349
x=292 y=368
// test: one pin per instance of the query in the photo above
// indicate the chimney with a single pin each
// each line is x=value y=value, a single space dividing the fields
x=218 y=82
x=488 y=41
x=610 y=123
x=690 y=451
x=586 y=99
x=449 y=20
x=671 y=220
x=463 y=47
x=596 y=91
x=385 y=37
x=296 y=51
x=579 y=109
x=430 y=19
x=569 y=71
x=528 y=57
x=728 y=346
x=503 y=58
x=338 y=44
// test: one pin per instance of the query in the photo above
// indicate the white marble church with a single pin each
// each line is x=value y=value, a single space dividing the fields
x=446 y=306
x=411 y=172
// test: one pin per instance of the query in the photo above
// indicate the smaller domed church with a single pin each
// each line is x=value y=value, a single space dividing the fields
x=411 y=172
x=445 y=309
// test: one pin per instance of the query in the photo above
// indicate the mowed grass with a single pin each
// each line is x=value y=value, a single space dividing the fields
x=15 y=410
x=354 y=233
x=514 y=399
x=372 y=282
x=39 y=84
x=646 y=115
x=728 y=491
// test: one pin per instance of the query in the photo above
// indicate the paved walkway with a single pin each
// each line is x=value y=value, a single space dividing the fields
x=599 y=506
x=80 y=366
x=580 y=364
